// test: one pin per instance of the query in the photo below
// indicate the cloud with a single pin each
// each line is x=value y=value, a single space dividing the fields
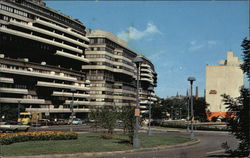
x=132 y=33
x=211 y=42
x=194 y=45
x=157 y=55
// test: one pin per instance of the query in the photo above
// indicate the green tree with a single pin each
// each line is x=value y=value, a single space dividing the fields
x=200 y=107
x=127 y=116
x=105 y=117
x=239 y=124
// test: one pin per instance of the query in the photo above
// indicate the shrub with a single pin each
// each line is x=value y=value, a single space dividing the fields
x=9 y=138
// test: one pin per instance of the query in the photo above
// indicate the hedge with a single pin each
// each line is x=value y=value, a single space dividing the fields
x=196 y=127
x=9 y=138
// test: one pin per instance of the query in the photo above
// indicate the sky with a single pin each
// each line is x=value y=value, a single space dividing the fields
x=179 y=37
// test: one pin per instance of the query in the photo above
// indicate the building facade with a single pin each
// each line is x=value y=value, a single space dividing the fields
x=42 y=53
x=225 y=78
x=50 y=64
x=112 y=73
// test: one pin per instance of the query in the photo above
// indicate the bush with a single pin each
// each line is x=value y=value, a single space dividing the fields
x=9 y=138
x=214 y=119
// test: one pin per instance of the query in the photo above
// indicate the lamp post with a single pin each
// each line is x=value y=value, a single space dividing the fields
x=188 y=99
x=150 y=89
x=136 y=142
x=191 y=80
x=180 y=113
x=18 y=111
x=71 y=108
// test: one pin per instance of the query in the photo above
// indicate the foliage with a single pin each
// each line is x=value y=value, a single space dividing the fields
x=196 y=127
x=239 y=124
x=173 y=106
x=200 y=107
x=214 y=118
x=126 y=116
x=9 y=138
x=105 y=117
x=9 y=112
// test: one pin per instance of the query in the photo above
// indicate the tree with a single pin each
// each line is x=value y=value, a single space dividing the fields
x=105 y=117
x=239 y=124
x=200 y=107
x=127 y=116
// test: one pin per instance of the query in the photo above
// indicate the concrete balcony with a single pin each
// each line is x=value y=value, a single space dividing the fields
x=22 y=100
x=103 y=67
x=39 y=39
x=14 y=90
x=49 y=33
x=147 y=79
x=68 y=55
x=147 y=75
x=75 y=102
x=54 y=26
x=146 y=70
x=145 y=65
x=60 y=85
x=67 y=94
x=57 y=110
x=36 y=74
x=6 y=80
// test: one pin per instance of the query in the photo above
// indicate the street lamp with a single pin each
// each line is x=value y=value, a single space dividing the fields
x=18 y=111
x=180 y=113
x=136 y=143
x=150 y=89
x=191 y=80
x=188 y=99
x=71 y=108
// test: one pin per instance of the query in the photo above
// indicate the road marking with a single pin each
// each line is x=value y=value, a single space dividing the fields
x=216 y=151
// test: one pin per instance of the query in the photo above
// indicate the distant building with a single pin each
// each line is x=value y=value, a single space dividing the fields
x=225 y=78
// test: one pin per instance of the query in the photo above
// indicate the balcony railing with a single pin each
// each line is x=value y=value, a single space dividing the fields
x=35 y=73
x=61 y=85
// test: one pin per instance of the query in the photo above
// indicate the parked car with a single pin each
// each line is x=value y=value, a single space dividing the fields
x=77 y=121
x=62 y=122
x=5 y=126
x=42 y=122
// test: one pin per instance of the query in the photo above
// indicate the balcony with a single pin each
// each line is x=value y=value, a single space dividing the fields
x=39 y=39
x=68 y=55
x=49 y=33
x=147 y=75
x=45 y=23
x=6 y=80
x=14 y=90
x=57 y=110
x=36 y=74
x=76 y=102
x=61 y=85
x=22 y=100
x=67 y=94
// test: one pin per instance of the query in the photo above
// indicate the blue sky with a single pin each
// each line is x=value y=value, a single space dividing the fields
x=180 y=38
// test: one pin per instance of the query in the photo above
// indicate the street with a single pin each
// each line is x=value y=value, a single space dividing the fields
x=209 y=146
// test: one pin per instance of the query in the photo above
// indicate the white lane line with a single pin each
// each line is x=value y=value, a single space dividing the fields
x=216 y=151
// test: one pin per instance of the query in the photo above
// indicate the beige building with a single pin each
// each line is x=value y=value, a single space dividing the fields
x=225 y=78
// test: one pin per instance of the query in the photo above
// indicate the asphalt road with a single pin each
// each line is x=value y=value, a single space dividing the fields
x=209 y=146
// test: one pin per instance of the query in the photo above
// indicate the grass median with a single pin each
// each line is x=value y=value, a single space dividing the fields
x=87 y=142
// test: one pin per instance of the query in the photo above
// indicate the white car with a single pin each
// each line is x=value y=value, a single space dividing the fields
x=77 y=121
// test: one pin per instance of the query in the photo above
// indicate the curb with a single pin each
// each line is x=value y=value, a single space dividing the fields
x=91 y=154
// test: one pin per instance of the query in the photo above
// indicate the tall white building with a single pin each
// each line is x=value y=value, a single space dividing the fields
x=225 y=78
